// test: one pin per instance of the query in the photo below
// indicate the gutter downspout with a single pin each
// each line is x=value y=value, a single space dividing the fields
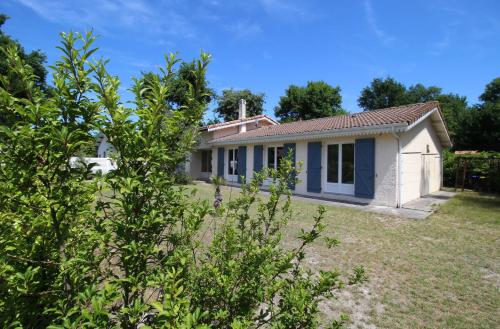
x=398 y=169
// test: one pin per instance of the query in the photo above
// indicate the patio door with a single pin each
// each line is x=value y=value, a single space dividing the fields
x=340 y=168
x=232 y=164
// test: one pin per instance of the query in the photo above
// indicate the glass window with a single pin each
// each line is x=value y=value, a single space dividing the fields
x=274 y=156
x=206 y=161
x=348 y=163
x=281 y=154
x=333 y=164
x=233 y=162
x=236 y=161
x=270 y=157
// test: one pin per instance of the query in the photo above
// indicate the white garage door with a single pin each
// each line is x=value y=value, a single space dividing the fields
x=411 y=176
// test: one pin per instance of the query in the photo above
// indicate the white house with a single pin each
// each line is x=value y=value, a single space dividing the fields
x=385 y=157
x=103 y=162
x=104 y=148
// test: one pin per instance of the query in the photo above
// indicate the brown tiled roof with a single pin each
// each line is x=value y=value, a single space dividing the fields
x=227 y=123
x=406 y=114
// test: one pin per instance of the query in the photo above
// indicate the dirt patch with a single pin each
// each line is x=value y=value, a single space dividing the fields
x=491 y=276
x=355 y=301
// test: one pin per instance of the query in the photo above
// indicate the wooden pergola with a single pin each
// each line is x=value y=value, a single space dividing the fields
x=467 y=160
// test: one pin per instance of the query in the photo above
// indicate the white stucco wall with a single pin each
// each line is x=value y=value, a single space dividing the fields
x=195 y=164
x=386 y=148
x=215 y=156
x=385 y=170
x=421 y=162
x=249 y=172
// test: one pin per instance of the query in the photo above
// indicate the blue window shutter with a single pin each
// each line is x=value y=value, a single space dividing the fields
x=364 y=168
x=314 y=167
x=220 y=162
x=242 y=163
x=287 y=149
x=258 y=151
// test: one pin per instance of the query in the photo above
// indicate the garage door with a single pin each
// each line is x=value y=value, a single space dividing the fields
x=411 y=173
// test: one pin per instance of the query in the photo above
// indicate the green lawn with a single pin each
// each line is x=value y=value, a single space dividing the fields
x=442 y=272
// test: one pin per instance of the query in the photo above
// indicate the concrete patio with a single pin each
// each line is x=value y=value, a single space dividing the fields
x=416 y=209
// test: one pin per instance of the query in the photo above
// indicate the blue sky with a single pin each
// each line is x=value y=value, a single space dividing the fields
x=267 y=45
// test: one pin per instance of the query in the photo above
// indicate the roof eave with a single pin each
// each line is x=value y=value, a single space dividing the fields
x=444 y=136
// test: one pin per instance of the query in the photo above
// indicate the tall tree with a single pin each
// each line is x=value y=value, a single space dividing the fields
x=481 y=127
x=382 y=93
x=491 y=93
x=316 y=100
x=454 y=108
x=179 y=85
x=228 y=103
x=36 y=59
x=389 y=92
x=419 y=93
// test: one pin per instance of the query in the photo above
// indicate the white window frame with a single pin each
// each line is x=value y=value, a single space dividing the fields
x=232 y=177
x=339 y=187
x=268 y=180
x=275 y=148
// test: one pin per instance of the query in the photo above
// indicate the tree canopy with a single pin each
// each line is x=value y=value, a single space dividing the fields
x=471 y=127
x=228 y=103
x=179 y=85
x=316 y=100
x=35 y=59
x=481 y=125
x=491 y=92
x=382 y=93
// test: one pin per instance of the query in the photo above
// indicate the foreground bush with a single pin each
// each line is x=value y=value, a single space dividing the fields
x=130 y=249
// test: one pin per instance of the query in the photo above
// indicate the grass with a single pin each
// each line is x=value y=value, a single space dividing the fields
x=442 y=272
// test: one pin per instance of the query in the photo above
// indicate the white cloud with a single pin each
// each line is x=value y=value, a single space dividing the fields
x=374 y=27
x=449 y=35
x=245 y=29
x=285 y=8
x=105 y=15
x=167 y=20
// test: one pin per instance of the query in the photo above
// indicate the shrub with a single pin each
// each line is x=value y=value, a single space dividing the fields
x=183 y=178
x=127 y=249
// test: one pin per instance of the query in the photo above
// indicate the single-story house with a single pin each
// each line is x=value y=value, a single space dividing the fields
x=384 y=157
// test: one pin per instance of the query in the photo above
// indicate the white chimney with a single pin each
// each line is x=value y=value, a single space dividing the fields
x=242 y=114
